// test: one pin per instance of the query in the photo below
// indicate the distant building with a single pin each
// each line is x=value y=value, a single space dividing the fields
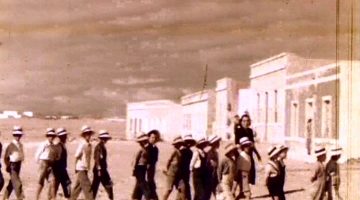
x=285 y=91
x=198 y=110
x=28 y=114
x=163 y=115
x=10 y=114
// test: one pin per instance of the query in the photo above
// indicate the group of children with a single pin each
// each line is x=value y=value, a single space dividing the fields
x=52 y=159
x=225 y=179
x=228 y=178
x=326 y=178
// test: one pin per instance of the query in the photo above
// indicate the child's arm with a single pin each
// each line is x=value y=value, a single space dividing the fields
x=267 y=173
x=257 y=154
x=193 y=160
x=315 y=173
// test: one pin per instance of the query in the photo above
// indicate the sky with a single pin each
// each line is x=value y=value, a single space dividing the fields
x=90 y=58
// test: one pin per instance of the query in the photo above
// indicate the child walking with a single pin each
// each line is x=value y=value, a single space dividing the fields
x=14 y=156
x=318 y=177
x=139 y=169
x=184 y=189
x=198 y=168
x=244 y=165
x=275 y=172
x=82 y=165
x=45 y=156
x=226 y=172
x=100 y=170
x=333 y=175
x=213 y=163
x=172 y=168
x=153 y=151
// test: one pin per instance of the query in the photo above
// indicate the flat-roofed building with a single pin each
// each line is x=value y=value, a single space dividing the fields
x=198 y=110
x=162 y=115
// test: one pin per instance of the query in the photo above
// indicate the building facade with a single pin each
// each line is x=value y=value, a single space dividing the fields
x=162 y=115
x=226 y=106
x=198 y=113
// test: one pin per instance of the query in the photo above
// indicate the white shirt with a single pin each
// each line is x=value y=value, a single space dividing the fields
x=43 y=151
x=83 y=156
x=18 y=154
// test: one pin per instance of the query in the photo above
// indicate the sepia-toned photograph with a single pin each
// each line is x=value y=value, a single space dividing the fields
x=179 y=99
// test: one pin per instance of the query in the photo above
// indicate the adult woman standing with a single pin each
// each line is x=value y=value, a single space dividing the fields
x=242 y=129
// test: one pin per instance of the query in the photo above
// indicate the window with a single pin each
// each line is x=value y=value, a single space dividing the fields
x=131 y=125
x=275 y=106
x=140 y=128
x=326 y=110
x=294 y=115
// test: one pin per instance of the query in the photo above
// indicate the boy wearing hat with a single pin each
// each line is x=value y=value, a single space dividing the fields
x=226 y=171
x=318 y=177
x=213 y=162
x=333 y=174
x=172 y=168
x=101 y=174
x=185 y=159
x=139 y=169
x=199 y=170
x=14 y=156
x=153 y=152
x=244 y=166
x=82 y=165
x=45 y=156
x=60 y=173
x=275 y=172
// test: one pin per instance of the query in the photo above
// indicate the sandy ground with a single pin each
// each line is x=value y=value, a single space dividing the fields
x=121 y=154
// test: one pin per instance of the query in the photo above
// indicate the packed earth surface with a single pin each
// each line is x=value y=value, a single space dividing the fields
x=121 y=153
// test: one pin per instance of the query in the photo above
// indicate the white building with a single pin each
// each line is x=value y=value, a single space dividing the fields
x=226 y=106
x=10 y=114
x=28 y=114
x=162 y=115
x=198 y=111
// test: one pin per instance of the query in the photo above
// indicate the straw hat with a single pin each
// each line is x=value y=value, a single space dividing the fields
x=103 y=134
x=245 y=141
x=272 y=151
x=336 y=151
x=319 y=151
x=213 y=139
x=50 y=132
x=202 y=142
x=17 y=130
x=61 y=131
x=177 y=140
x=230 y=148
x=142 y=137
x=86 y=129
x=189 y=140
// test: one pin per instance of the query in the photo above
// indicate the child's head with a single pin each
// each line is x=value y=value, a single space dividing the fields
x=245 y=144
x=335 y=153
x=178 y=142
x=154 y=136
x=104 y=136
x=62 y=134
x=230 y=150
x=189 y=141
x=17 y=132
x=282 y=152
x=142 y=139
x=214 y=141
x=320 y=153
x=202 y=143
x=50 y=134
x=86 y=132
